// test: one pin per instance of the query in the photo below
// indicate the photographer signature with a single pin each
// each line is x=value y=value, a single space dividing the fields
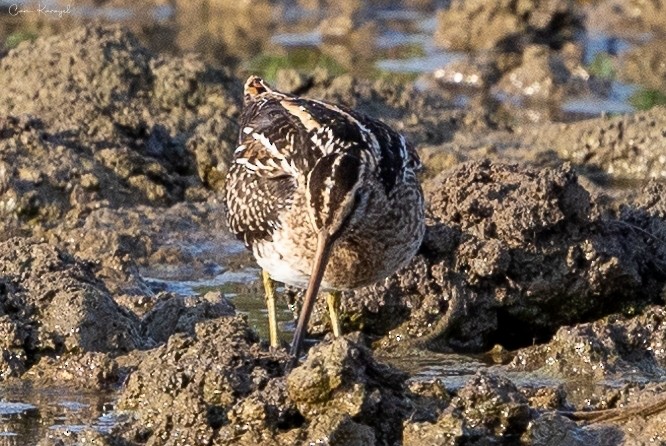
x=40 y=9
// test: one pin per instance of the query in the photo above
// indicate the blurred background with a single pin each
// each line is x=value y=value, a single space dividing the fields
x=540 y=59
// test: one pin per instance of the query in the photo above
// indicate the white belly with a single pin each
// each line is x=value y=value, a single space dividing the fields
x=281 y=270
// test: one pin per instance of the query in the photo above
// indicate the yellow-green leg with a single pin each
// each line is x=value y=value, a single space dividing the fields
x=333 y=301
x=269 y=289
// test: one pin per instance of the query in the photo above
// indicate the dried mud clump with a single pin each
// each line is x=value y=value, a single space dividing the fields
x=52 y=304
x=511 y=254
x=348 y=397
x=172 y=314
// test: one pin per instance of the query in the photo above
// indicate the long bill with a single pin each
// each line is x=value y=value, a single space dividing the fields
x=322 y=253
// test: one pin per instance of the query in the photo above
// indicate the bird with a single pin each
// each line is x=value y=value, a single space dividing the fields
x=324 y=196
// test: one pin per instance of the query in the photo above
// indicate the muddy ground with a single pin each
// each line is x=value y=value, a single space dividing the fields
x=111 y=164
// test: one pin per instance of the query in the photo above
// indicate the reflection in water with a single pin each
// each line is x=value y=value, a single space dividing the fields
x=243 y=289
x=27 y=415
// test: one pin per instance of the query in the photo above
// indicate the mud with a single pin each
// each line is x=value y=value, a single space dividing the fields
x=643 y=65
x=628 y=147
x=478 y=25
x=53 y=304
x=512 y=254
x=201 y=378
x=128 y=121
x=604 y=349
x=111 y=159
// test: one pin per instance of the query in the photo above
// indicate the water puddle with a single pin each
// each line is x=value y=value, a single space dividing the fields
x=453 y=370
x=243 y=288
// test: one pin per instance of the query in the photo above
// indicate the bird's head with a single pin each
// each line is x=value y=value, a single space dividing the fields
x=254 y=86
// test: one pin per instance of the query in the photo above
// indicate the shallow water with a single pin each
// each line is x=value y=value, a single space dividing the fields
x=26 y=416
x=235 y=285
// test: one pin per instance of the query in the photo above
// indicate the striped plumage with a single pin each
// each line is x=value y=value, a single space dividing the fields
x=322 y=194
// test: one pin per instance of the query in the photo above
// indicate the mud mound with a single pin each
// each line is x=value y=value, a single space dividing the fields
x=478 y=25
x=341 y=388
x=511 y=254
x=86 y=71
x=51 y=304
x=610 y=347
x=624 y=147
x=487 y=409
x=611 y=150
x=222 y=387
x=200 y=380
x=112 y=125
x=172 y=314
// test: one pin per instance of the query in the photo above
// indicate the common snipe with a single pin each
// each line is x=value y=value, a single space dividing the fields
x=324 y=196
